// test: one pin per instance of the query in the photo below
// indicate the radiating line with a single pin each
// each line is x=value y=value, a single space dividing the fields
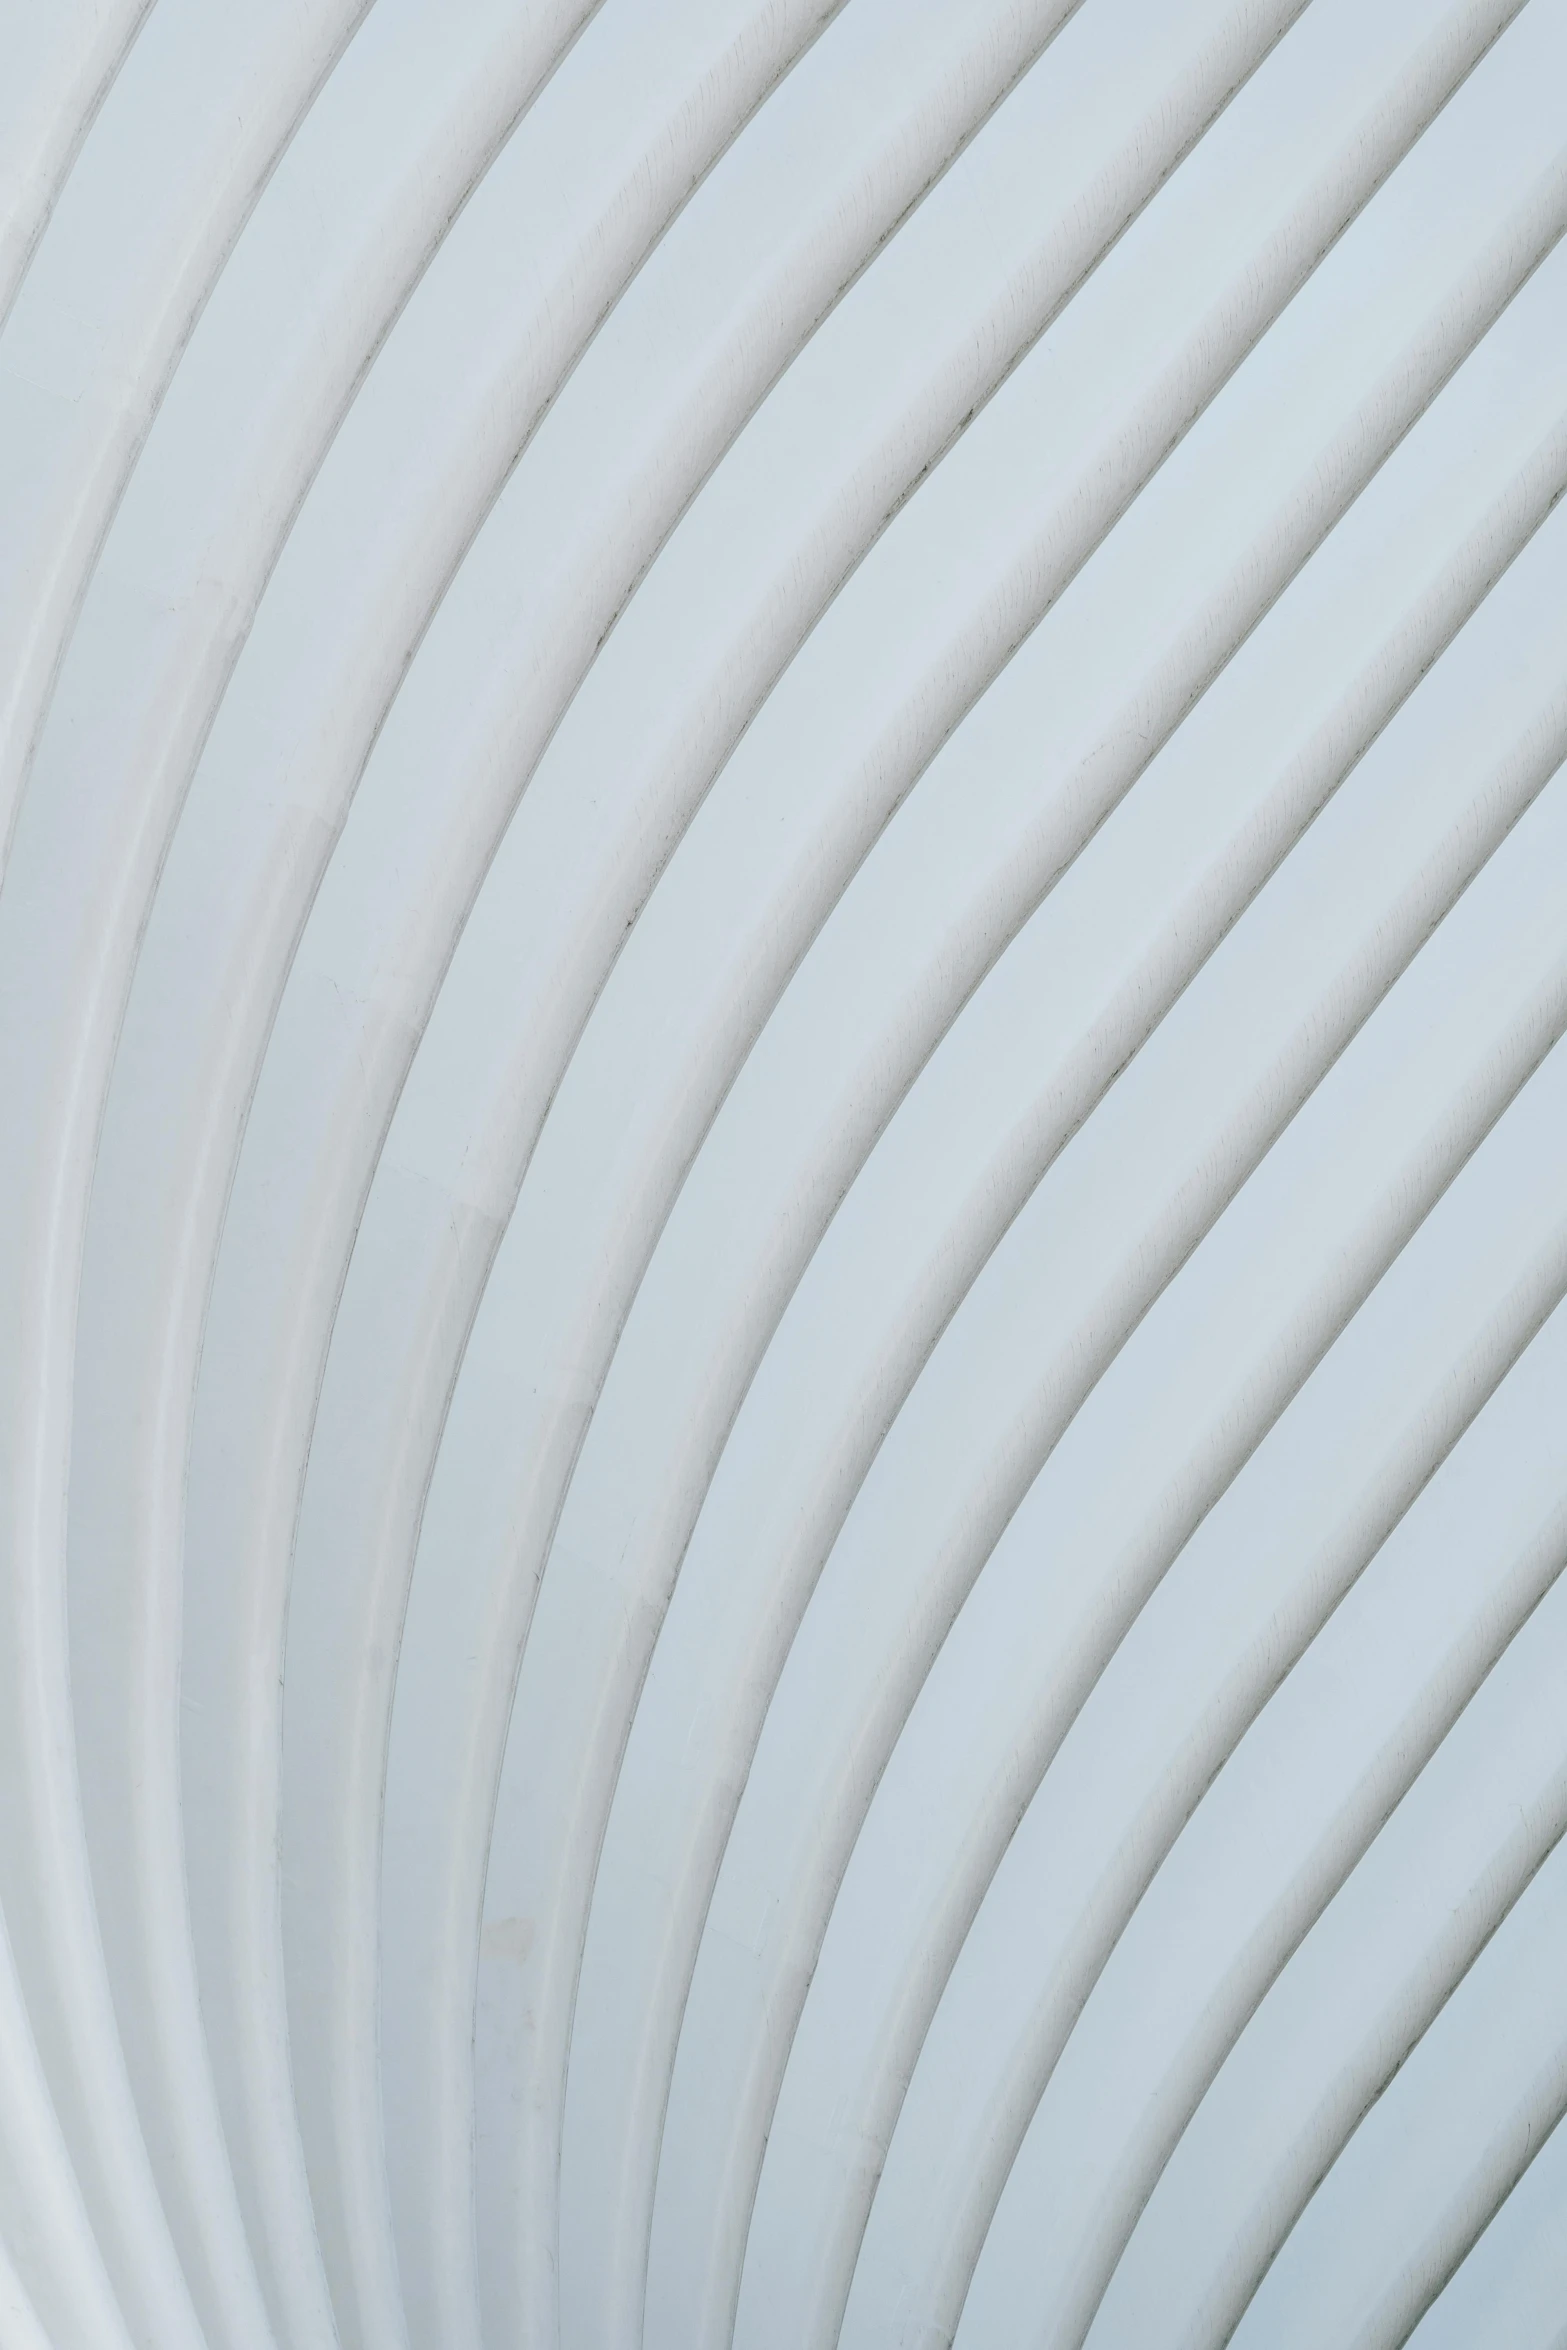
x=779 y=785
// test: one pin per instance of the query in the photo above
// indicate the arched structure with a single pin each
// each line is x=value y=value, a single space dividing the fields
x=783 y=1204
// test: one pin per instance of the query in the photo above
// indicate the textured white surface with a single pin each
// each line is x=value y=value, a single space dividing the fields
x=783 y=1174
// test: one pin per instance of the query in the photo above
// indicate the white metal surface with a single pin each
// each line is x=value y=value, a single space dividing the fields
x=783 y=1174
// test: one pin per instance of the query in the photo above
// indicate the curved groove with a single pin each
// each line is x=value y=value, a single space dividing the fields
x=978 y=1521
x=1459 y=2225
x=781 y=1012
x=68 y=1984
x=547 y=1060
x=1196 y=926
x=1442 y=1603
x=1238 y=1995
x=1364 y=2074
x=62 y=120
x=66 y=556
x=259 y=2003
x=716 y=1059
x=254 y=2003
x=1511 y=2273
x=48 y=2229
x=1430 y=1429
x=320 y=390
x=1167 y=706
x=402 y=1049
x=17 y=2314
x=333 y=369
x=1193 y=929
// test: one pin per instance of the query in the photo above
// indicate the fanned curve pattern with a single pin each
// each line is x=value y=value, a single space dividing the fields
x=783 y=1174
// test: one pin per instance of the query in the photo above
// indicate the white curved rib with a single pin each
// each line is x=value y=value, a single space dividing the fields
x=1264 y=1384
x=61 y=2281
x=890 y=754
x=17 y=2314
x=1233 y=1992
x=780 y=990
x=60 y=66
x=1511 y=2278
x=865 y=1413
x=1470 y=2150
x=1470 y=1864
x=1238 y=1641
x=876 y=2042
x=259 y=2005
x=367 y=1838
x=997 y=1486
x=82 y=377
x=300 y=1393
x=1445 y=1596
x=361 y=282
